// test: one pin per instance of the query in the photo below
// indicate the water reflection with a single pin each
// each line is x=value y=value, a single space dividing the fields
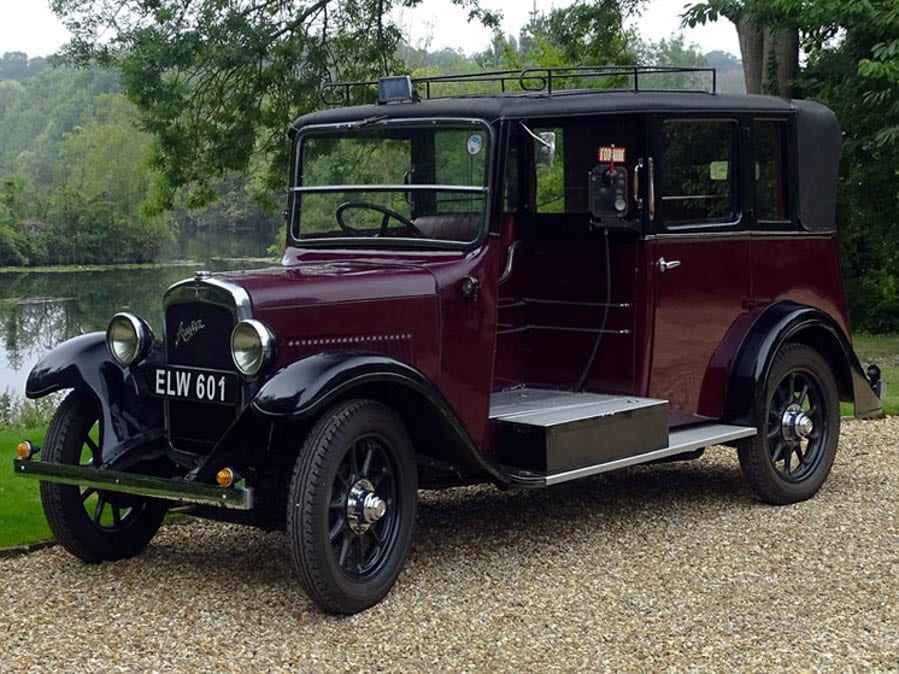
x=38 y=310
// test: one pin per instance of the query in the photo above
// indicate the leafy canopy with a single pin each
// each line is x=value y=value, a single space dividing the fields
x=217 y=80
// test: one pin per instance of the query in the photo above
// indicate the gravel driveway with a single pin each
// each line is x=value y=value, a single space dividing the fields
x=670 y=567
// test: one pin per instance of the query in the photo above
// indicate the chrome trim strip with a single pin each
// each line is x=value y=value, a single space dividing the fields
x=190 y=290
x=737 y=235
x=451 y=122
x=232 y=498
x=740 y=235
x=684 y=441
x=560 y=328
x=687 y=197
x=391 y=188
x=510 y=259
x=613 y=305
x=636 y=184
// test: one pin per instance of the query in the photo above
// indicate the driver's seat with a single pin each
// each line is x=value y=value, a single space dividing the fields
x=449 y=227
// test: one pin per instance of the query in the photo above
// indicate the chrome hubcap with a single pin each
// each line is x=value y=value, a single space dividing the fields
x=364 y=507
x=796 y=424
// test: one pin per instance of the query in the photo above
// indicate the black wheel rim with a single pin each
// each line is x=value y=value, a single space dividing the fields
x=108 y=511
x=797 y=426
x=362 y=552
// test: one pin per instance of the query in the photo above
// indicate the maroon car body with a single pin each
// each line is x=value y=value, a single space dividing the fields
x=533 y=287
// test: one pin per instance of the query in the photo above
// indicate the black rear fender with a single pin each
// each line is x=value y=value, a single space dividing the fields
x=305 y=389
x=789 y=322
x=84 y=364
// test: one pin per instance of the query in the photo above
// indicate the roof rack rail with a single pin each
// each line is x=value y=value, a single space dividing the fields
x=534 y=80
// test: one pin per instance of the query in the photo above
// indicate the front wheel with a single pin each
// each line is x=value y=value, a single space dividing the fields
x=798 y=428
x=351 y=507
x=93 y=525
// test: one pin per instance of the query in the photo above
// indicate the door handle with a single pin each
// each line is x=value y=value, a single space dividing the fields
x=667 y=265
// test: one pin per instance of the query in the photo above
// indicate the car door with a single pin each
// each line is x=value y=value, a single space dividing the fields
x=697 y=256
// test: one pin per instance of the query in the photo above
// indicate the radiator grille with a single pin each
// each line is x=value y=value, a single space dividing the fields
x=198 y=335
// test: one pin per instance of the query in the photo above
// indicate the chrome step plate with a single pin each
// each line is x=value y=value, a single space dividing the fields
x=680 y=441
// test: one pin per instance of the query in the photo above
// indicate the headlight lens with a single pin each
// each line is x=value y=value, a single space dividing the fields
x=128 y=338
x=251 y=346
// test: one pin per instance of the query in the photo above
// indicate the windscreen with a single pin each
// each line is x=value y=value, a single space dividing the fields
x=398 y=181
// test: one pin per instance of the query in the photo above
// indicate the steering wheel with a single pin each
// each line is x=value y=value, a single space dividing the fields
x=388 y=214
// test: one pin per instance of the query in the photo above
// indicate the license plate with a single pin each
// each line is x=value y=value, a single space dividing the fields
x=184 y=383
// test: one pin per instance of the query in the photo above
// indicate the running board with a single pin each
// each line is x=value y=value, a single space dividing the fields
x=679 y=442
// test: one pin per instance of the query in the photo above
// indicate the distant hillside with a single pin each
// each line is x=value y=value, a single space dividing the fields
x=16 y=66
x=730 y=72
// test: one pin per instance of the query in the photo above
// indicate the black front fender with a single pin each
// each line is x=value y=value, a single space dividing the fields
x=83 y=363
x=305 y=388
x=786 y=322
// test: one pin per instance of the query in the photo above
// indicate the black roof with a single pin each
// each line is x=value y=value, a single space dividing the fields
x=569 y=103
x=818 y=133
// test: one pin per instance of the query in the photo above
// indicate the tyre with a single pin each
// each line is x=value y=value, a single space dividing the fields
x=798 y=428
x=93 y=525
x=351 y=507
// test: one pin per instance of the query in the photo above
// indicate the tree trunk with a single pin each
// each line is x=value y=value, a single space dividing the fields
x=786 y=54
x=752 y=50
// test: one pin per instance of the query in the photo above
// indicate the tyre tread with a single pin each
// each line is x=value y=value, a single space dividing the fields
x=308 y=477
x=753 y=453
x=80 y=537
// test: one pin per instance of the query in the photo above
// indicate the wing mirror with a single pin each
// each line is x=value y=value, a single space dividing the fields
x=545 y=148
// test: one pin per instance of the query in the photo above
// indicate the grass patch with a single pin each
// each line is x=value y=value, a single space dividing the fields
x=884 y=351
x=21 y=515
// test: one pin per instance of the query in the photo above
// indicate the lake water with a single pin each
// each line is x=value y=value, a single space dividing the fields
x=38 y=310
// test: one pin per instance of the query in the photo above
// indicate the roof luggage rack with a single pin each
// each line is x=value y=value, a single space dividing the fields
x=546 y=81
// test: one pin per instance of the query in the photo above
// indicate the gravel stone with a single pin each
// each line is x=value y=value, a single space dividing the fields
x=671 y=567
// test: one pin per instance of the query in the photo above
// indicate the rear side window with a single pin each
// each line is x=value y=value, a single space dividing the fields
x=770 y=170
x=697 y=172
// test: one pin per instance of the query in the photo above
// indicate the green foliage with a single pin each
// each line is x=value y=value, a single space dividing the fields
x=588 y=33
x=852 y=65
x=24 y=413
x=19 y=244
x=95 y=205
x=216 y=82
x=856 y=72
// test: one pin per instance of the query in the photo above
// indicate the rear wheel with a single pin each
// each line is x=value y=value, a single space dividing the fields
x=798 y=428
x=93 y=525
x=352 y=504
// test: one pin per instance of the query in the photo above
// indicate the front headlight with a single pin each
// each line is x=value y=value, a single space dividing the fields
x=251 y=346
x=128 y=338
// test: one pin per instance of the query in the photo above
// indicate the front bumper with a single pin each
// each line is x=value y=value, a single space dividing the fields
x=181 y=491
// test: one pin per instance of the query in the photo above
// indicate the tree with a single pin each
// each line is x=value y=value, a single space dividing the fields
x=852 y=65
x=96 y=213
x=582 y=34
x=16 y=66
x=217 y=81
x=673 y=52
x=769 y=40
x=20 y=241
